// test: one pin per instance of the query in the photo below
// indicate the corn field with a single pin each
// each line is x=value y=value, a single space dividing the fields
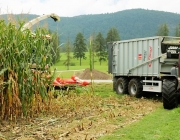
x=23 y=90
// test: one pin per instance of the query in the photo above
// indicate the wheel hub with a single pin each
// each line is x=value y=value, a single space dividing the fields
x=134 y=89
x=120 y=87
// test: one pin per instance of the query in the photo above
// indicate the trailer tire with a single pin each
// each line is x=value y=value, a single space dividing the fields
x=122 y=85
x=135 y=88
x=169 y=95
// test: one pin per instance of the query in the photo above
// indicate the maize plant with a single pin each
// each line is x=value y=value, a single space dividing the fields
x=23 y=91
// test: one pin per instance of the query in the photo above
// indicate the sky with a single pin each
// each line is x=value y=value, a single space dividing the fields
x=70 y=8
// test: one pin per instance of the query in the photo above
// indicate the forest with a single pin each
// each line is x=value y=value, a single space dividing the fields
x=134 y=23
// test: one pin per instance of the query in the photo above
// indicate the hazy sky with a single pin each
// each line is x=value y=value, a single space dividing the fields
x=83 y=7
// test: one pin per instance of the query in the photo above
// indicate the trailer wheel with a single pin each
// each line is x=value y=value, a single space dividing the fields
x=122 y=85
x=169 y=95
x=135 y=88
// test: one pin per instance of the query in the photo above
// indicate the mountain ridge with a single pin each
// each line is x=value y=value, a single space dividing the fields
x=132 y=23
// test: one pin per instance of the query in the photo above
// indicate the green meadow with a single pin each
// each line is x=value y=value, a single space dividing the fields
x=61 y=69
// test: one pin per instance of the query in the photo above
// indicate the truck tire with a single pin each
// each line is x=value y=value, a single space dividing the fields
x=122 y=85
x=135 y=88
x=169 y=95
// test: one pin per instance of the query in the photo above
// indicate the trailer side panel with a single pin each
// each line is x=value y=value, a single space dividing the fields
x=131 y=57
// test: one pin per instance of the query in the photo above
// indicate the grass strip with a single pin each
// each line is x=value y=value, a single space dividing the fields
x=159 y=125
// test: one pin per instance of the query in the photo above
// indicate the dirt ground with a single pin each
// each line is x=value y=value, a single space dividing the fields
x=82 y=117
x=96 y=75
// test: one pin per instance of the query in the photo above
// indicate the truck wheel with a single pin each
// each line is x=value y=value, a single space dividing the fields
x=169 y=95
x=135 y=88
x=122 y=85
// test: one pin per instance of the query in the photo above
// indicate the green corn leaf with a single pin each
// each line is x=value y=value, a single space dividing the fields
x=2 y=71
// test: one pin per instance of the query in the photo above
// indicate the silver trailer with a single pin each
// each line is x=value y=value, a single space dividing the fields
x=146 y=64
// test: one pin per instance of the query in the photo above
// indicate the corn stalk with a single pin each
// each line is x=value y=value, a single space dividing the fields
x=90 y=62
x=23 y=91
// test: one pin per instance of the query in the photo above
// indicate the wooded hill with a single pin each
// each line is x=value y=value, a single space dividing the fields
x=133 y=23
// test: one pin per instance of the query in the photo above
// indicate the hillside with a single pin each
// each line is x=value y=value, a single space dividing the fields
x=133 y=23
x=130 y=23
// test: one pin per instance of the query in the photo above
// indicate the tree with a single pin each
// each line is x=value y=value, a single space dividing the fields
x=101 y=48
x=80 y=47
x=163 y=30
x=112 y=35
x=67 y=62
x=55 y=51
x=177 y=30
